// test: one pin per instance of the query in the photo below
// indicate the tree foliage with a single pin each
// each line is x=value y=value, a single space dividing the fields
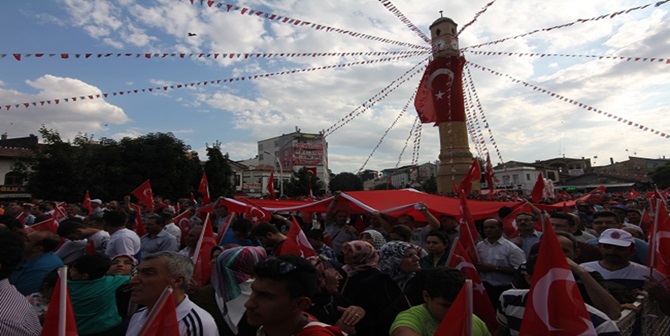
x=345 y=182
x=301 y=182
x=219 y=173
x=429 y=185
x=109 y=169
x=661 y=176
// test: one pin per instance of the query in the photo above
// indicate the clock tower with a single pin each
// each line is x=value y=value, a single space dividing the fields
x=455 y=157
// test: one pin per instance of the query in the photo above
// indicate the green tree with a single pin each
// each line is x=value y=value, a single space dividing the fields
x=429 y=185
x=384 y=186
x=300 y=183
x=345 y=182
x=219 y=173
x=661 y=176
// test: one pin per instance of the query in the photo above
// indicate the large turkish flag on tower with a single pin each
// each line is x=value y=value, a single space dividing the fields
x=440 y=94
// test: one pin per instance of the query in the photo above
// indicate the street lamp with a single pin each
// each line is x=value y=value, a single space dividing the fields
x=281 y=175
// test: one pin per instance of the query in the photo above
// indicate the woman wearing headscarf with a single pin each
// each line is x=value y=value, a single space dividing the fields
x=373 y=237
x=396 y=288
x=124 y=264
x=328 y=305
x=231 y=287
x=360 y=262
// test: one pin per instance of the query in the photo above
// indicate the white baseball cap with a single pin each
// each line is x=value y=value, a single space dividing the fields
x=616 y=237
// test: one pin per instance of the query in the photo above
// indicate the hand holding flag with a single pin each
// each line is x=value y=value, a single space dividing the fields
x=59 y=320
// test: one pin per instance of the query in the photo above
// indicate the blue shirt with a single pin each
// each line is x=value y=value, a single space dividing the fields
x=29 y=274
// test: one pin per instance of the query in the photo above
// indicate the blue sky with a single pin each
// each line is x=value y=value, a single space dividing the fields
x=526 y=124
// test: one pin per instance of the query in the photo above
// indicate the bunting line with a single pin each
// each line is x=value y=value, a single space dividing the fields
x=212 y=55
x=203 y=83
x=411 y=99
x=393 y=9
x=417 y=143
x=411 y=133
x=622 y=58
x=574 y=102
x=470 y=120
x=483 y=115
x=482 y=11
x=302 y=23
x=379 y=96
x=596 y=18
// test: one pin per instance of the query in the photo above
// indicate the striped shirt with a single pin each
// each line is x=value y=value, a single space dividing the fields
x=193 y=321
x=17 y=316
x=513 y=305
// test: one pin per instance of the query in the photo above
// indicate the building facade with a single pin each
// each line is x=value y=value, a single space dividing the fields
x=294 y=151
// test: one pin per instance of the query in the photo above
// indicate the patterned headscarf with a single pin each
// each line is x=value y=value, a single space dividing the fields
x=321 y=263
x=378 y=239
x=233 y=267
x=364 y=257
x=390 y=256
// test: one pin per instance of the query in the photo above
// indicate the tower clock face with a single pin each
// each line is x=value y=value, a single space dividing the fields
x=441 y=44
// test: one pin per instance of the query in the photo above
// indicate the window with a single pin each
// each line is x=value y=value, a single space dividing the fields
x=260 y=157
x=260 y=147
x=527 y=177
x=14 y=178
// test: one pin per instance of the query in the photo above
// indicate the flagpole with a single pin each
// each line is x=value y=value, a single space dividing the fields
x=62 y=316
x=468 y=316
x=202 y=237
x=451 y=251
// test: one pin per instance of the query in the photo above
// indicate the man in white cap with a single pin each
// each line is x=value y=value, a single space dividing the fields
x=96 y=205
x=617 y=247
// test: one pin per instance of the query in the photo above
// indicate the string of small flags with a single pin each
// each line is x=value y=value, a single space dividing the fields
x=622 y=58
x=482 y=114
x=574 y=102
x=393 y=9
x=476 y=17
x=471 y=121
x=381 y=140
x=596 y=18
x=203 y=83
x=417 y=143
x=409 y=136
x=212 y=55
x=383 y=93
x=301 y=23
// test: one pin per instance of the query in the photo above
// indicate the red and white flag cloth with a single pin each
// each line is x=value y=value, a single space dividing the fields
x=22 y=218
x=296 y=242
x=59 y=320
x=203 y=189
x=183 y=221
x=162 y=319
x=59 y=211
x=271 y=185
x=458 y=320
x=482 y=306
x=223 y=228
x=473 y=174
x=139 y=225
x=467 y=232
x=552 y=290
x=659 y=241
x=537 y=194
x=145 y=195
x=440 y=94
x=87 y=202
x=49 y=224
x=202 y=269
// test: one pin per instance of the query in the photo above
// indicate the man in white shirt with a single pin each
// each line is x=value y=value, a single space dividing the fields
x=121 y=240
x=171 y=227
x=156 y=272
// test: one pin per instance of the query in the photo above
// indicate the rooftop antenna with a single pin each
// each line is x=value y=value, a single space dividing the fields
x=441 y=13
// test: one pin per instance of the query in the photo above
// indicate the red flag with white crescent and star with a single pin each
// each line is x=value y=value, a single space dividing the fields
x=552 y=289
x=87 y=202
x=440 y=94
x=203 y=189
x=145 y=195
x=202 y=269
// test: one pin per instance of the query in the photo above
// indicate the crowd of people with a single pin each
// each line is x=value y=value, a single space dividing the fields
x=389 y=276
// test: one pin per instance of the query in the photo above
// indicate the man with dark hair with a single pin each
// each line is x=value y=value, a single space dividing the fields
x=155 y=273
x=93 y=295
x=241 y=230
x=170 y=227
x=528 y=236
x=121 y=240
x=440 y=290
x=269 y=237
x=282 y=290
x=315 y=238
x=156 y=239
x=603 y=220
x=17 y=316
x=38 y=260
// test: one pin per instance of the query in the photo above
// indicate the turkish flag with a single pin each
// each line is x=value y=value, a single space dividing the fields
x=488 y=174
x=296 y=242
x=659 y=242
x=139 y=225
x=439 y=97
x=482 y=307
x=458 y=320
x=202 y=268
x=162 y=319
x=509 y=222
x=57 y=319
x=87 y=202
x=538 y=190
x=552 y=291
x=49 y=224
x=224 y=228
x=22 y=218
x=271 y=185
x=473 y=174
x=183 y=221
x=59 y=212
x=203 y=189
x=145 y=195
x=467 y=231
x=632 y=194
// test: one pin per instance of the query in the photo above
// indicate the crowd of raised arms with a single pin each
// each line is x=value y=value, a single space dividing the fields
x=362 y=274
